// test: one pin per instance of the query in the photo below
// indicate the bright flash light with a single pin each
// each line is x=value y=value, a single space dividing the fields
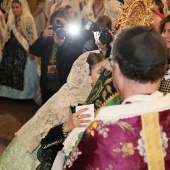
x=73 y=29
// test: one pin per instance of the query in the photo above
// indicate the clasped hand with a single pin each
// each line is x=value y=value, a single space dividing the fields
x=77 y=120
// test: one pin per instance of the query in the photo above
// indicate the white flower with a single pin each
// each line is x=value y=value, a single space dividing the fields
x=141 y=144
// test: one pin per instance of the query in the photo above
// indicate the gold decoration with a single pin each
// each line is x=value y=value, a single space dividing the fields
x=152 y=140
x=127 y=149
x=136 y=12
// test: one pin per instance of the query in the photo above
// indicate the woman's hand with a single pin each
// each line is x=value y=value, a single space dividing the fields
x=31 y=56
x=57 y=41
x=48 y=31
x=77 y=120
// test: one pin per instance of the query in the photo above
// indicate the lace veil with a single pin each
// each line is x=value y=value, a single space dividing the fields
x=28 y=29
x=57 y=109
x=113 y=11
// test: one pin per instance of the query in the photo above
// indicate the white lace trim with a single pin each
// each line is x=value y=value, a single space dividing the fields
x=141 y=104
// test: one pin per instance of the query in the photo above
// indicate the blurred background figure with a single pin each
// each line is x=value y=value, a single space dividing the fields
x=94 y=9
x=158 y=7
x=40 y=17
x=158 y=14
x=18 y=74
x=4 y=7
x=71 y=5
x=48 y=6
x=166 y=7
x=165 y=32
x=113 y=11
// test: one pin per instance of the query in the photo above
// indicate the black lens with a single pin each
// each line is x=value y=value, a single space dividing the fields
x=105 y=36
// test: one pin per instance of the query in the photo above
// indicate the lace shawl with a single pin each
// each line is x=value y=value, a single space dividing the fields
x=113 y=11
x=28 y=33
x=57 y=109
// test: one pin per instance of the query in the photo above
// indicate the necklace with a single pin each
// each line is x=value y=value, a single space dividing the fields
x=96 y=11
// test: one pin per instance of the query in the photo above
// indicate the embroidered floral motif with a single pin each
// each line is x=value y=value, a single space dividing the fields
x=73 y=157
x=127 y=149
x=125 y=125
x=141 y=144
x=91 y=128
x=164 y=141
x=104 y=94
x=102 y=130
x=98 y=103
x=110 y=167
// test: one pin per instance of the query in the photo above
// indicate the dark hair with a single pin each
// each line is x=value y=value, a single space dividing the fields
x=94 y=58
x=104 y=21
x=68 y=7
x=141 y=74
x=62 y=13
x=163 y=22
x=132 y=70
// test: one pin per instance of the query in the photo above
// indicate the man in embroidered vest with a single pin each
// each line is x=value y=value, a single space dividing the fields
x=134 y=135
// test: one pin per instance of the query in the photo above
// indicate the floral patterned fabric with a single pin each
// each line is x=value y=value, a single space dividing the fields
x=16 y=157
x=106 y=152
x=123 y=145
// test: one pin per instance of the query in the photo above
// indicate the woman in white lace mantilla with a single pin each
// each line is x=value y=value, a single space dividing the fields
x=18 y=74
x=54 y=112
x=94 y=9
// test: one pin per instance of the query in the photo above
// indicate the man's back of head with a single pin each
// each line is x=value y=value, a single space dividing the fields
x=142 y=48
x=141 y=55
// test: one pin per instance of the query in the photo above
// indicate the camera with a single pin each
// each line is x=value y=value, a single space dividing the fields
x=89 y=25
x=59 y=30
x=105 y=36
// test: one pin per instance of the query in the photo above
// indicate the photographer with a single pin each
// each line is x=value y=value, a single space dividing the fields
x=58 y=51
x=102 y=36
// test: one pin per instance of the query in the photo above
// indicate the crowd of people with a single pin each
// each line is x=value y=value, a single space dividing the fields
x=122 y=73
x=56 y=47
